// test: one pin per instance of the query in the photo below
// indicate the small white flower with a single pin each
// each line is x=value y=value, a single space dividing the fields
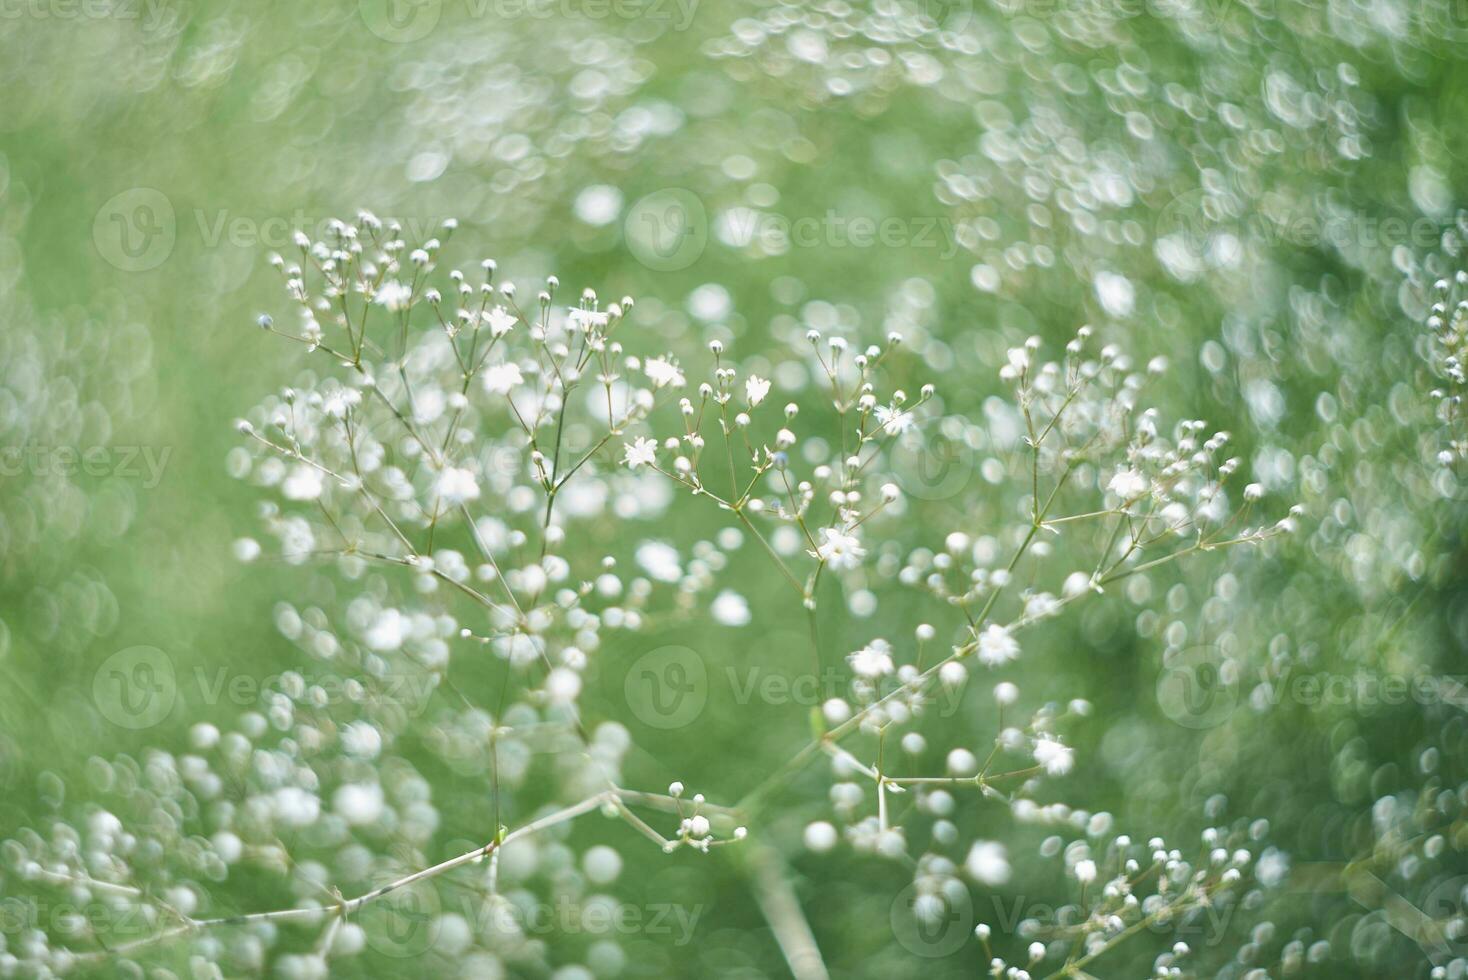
x=987 y=863
x=1127 y=484
x=952 y=674
x=755 y=389
x=1057 y=759
x=731 y=609
x=303 y=483
x=562 y=685
x=642 y=451
x=580 y=319
x=996 y=646
x=894 y=421
x=839 y=549
x=1085 y=871
x=872 y=661
x=394 y=295
x=663 y=372
x=835 y=711
x=659 y=560
x=820 y=836
x=1041 y=605
x=501 y=378
x=456 y=485
x=501 y=321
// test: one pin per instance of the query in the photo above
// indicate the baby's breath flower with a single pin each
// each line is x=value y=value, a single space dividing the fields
x=641 y=451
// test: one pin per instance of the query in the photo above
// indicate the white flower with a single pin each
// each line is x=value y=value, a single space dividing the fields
x=996 y=646
x=642 y=451
x=361 y=739
x=835 y=711
x=839 y=549
x=663 y=372
x=388 y=630
x=500 y=378
x=359 y=803
x=501 y=321
x=952 y=674
x=1040 y=605
x=1057 y=759
x=894 y=421
x=562 y=685
x=873 y=660
x=730 y=609
x=456 y=485
x=1085 y=871
x=987 y=863
x=303 y=483
x=820 y=836
x=755 y=389
x=659 y=561
x=394 y=295
x=580 y=319
x=1127 y=484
